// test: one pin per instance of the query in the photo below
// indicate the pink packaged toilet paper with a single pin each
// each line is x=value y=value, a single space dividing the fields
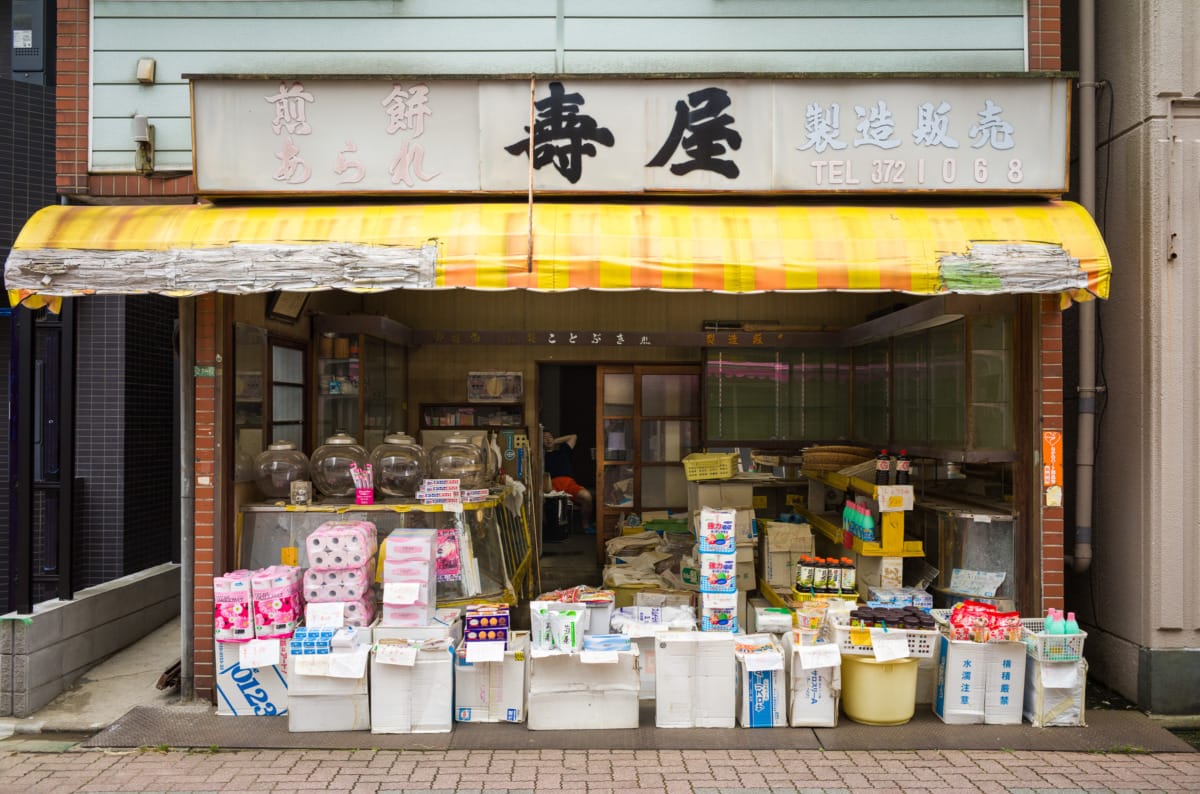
x=277 y=601
x=360 y=613
x=231 y=607
x=339 y=545
x=323 y=586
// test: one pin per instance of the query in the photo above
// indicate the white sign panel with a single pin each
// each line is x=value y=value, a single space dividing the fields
x=318 y=136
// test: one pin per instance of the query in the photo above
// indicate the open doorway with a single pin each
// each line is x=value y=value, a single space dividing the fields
x=566 y=405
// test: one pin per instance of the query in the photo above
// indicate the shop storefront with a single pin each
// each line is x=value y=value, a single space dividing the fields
x=880 y=263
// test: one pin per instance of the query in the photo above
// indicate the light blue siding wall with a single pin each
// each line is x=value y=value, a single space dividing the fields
x=515 y=37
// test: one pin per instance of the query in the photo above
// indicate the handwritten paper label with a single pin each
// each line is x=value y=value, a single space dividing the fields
x=401 y=592
x=310 y=664
x=825 y=654
x=977 y=583
x=349 y=665
x=325 y=616
x=289 y=555
x=894 y=498
x=860 y=636
x=485 y=652
x=402 y=655
x=598 y=657
x=889 y=645
x=763 y=661
x=259 y=653
x=1060 y=675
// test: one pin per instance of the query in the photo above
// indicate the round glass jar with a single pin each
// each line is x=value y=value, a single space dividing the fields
x=399 y=465
x=277 y=467
x=331 y=464
x=458 y=458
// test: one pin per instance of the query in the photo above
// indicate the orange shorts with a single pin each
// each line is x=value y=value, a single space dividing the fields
x=566 y=485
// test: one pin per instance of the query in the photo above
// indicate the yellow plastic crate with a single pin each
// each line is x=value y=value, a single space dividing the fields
x=710 y=465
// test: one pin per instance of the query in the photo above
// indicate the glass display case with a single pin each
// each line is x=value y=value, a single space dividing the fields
x=361 y=375
x=488 y=542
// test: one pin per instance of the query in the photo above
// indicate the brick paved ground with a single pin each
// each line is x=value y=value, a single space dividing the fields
x=685 y=772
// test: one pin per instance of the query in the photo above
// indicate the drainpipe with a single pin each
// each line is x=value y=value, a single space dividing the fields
x=1085 y=451
x=187 y=496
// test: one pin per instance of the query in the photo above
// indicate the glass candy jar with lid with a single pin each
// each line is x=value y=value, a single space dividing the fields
x=277 y=467
x=332 y=463
x=399 y=465
x=458 y=458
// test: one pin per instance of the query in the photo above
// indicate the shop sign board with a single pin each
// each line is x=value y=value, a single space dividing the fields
x=384 y=136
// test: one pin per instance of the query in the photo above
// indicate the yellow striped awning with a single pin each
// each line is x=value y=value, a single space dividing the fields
x=1035 y=247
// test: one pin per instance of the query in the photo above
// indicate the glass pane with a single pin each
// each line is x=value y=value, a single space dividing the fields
x=287 y=403
x=663 y=487
x=991 y=382
x=293 y=433
x=669 y=440
x=670 y=395
x=745 y=394
x=821 y=405
x=618 y=486
x=948 y=386
x=871 y=393
x=910 y=385
x=287 y=364
x=618 y=439
x=618 y=394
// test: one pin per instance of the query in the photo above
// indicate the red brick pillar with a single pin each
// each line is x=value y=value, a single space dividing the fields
x=1045 y=35
x=1050 y=354
x=71 y=96
x=205 y=491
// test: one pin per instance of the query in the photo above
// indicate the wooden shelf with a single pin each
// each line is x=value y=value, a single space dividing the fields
x=891 y=524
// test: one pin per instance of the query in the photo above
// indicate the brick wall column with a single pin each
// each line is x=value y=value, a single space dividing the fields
x=1045 y=35
x=1050 y=356
x=205 y=503
x=71 y=96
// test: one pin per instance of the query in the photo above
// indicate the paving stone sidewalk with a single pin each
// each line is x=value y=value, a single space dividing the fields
x=672 y=771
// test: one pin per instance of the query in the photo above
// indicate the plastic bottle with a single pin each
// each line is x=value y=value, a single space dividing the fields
x=868 y=526
x=1053 y=623
x=883 y=468
x=849 y=575
x=1071 y=626
x=804 y=574
x=903 y=468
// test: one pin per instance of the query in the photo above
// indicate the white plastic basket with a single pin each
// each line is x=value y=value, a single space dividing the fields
x=1050 y=647
x=921 y=642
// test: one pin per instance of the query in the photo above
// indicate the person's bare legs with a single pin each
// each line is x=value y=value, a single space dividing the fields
x=584 y=501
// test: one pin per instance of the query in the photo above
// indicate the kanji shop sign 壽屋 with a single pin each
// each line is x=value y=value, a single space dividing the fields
x=630 y=136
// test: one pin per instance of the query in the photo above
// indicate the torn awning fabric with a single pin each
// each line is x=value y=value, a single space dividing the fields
x=1037 y=247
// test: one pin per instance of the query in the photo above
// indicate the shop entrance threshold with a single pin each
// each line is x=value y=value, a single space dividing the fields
x=1106 y=731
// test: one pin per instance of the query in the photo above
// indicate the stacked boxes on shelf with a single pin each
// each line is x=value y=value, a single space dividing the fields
x=341 y=558
x=408 y=570
x=717 y=547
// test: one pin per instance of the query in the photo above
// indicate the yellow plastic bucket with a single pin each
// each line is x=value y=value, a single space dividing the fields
x=879 y=693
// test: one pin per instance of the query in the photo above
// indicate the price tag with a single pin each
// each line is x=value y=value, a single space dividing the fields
x=763 y=661
x=860 y=636
x=890 y=645
x=289 y=555
x=401 y=592
x=325 y=616
x=826 y=654
x=894 y=498
x=259 y=653
x=485 y=652
x=598 y=657
x=403 y=655
x=542 y=653
x=349 y=665
x=310 y=664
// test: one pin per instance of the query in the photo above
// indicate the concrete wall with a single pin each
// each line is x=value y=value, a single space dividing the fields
x=1143 y=593
x=43 y=654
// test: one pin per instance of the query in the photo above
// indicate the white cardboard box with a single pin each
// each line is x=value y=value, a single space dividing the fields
x=493 y=691
x=308 y=713
x=1054 y=692
x=979 y=682
x=447 y=622
x=695 y=680
x=250 y=691
x=719 y=495
x=581 y=691
x=762 y=685
x=416 y=694
x=330 y=674
x=813 y=694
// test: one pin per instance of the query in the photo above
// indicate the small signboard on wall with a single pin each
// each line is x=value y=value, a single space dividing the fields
x=495 y=387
